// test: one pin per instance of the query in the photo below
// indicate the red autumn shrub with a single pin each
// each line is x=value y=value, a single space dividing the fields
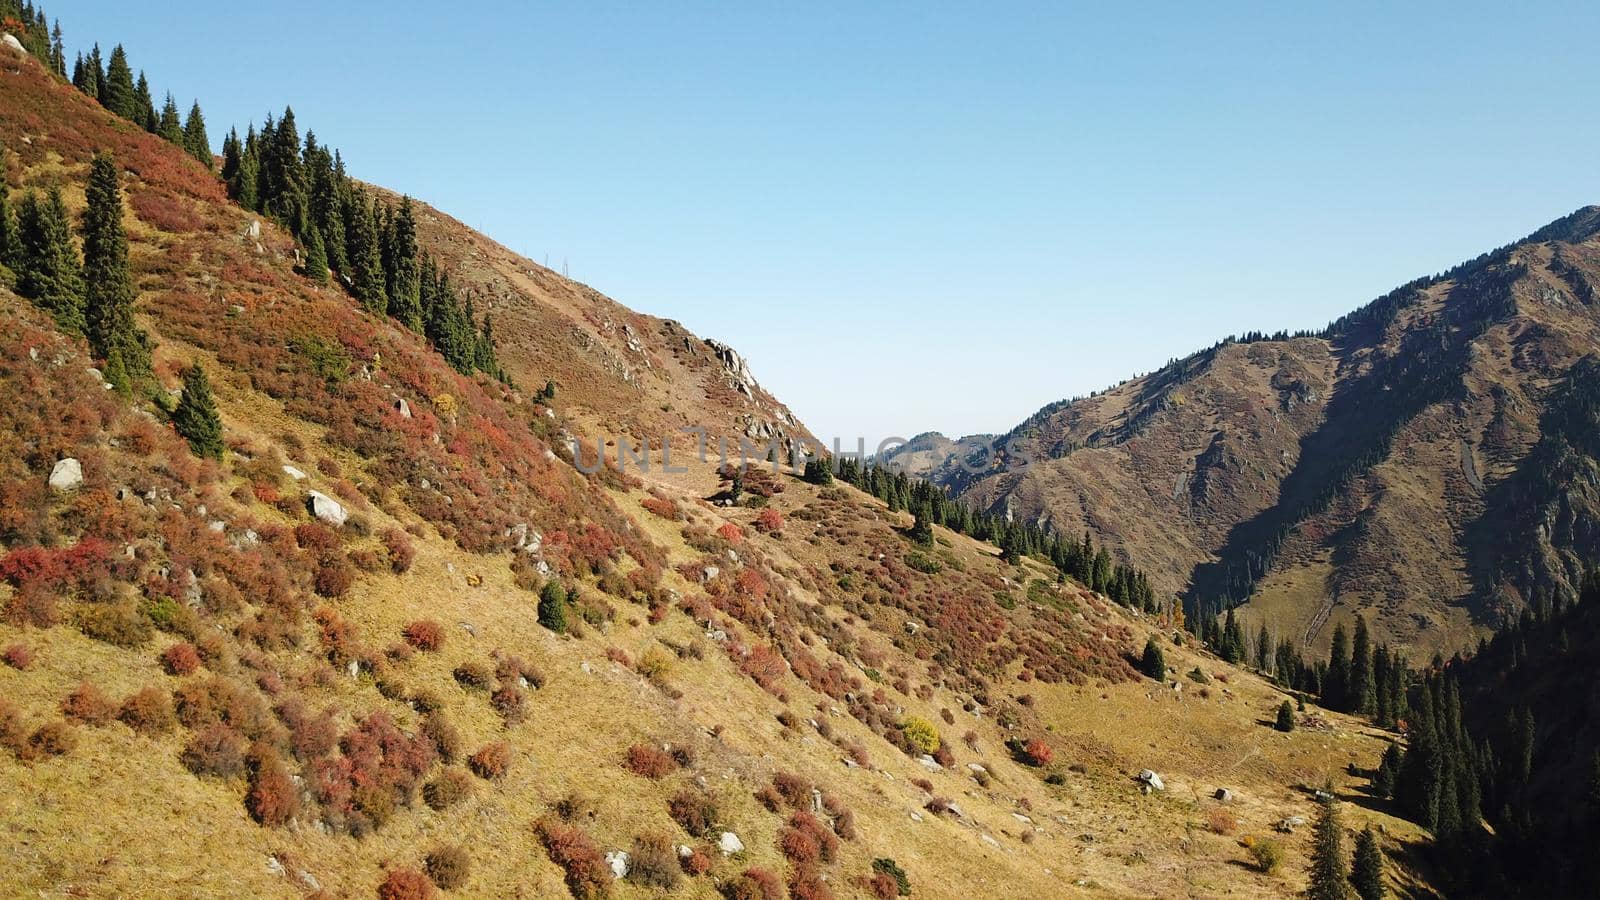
x=807 y=885
x=164 y=213
x=754 y=883
x=215 y=750
x=405 y=883
x=491 y=761
x=50 y=739
x=794 y=789
x=654 y=862
x=316 y=538
x=180 y=659
x=884 y=887
x=424 y=634
x=88 y=706
x=400 y=550
x=762 y=664
x=663 y=507
x=147 y=711
x=18 y=657
x=806 y=840
x=1039 y=753
x=731 y=533
x=649 y=762
x=769 y=521
x=335 y=576
x=696 y=812
x=697 y=863
x=574 y=852
x=272 y=799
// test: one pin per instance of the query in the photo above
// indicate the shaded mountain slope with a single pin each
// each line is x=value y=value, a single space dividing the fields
x=1370 y=468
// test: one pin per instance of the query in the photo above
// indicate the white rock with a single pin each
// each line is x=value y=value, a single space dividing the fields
x=1152 y=780
x=254 y=231
x=685 y=851
x=618 y=861
x=987 y=839
x=916 y=816
x=325 y=508
x=67 y=474
x=929 y=763
x=729 y=843
x=10 y=41
x=403 y=408
x=294 y=473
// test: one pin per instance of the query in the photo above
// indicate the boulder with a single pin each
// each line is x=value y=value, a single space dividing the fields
x=68 y=473
x=254 y=230
x=618 y=861
x=1223 y=795
x=10 y=41
x=1287 y=826
x=929 y=763
x=294 y=473
x=325 y=508
x=403 y=408
x=730 y=844
x=1151 y=780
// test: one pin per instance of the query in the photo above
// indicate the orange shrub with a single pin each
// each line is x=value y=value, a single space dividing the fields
x=18 y=657
x=769 y=521
x=425 y=634
x=571 y=849
x=649 y=762
x=491 y=761
x=88 y=706
x=272 y=799
x=405 y=884
x=180 y=659
x=147 y=711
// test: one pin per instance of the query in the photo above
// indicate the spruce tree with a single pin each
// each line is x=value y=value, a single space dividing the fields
x=1263 y=649
x=1366 y=871
x=553 y=607
x=195 y=140
x=283 y=187
x=196 y=417
x=1335 y=688
x=119 y=95
x=170 y=127
x=1327 y=857
x=58 y=52
x=1154 y=663
x=921 y=520
x=1361 y=691
x=401 y=268
x=47 y=264
x=366 y=260
x=1388 y=771
x=1285 y=720
x=316 y=264
x=108 y=286
x=145 y=106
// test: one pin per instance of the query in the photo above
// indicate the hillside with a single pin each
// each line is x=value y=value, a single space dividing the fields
x=1376 y=468
x=391 y=627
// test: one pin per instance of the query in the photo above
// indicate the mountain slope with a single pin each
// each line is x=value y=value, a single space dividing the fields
x=213 y=686
x=1369 y=469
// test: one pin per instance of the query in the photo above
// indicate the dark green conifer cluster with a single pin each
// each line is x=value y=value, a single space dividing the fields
x=29 y=25
x=93 y=297
x=1091 y=566
x=370 y=244
x=111 y=82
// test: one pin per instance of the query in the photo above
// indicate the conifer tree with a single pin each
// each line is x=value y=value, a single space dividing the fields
x=48 y=272
x=1335 y=689
x=58 y=52
x=195 y=140
x=366 y=260
x=97 y=66
x=85 y=77
x=316 y=264
x=1366 y=871
x=1388 y=771
x=1263 y=649
x=1362 y=693
x=921 y=521
x=118 y=94
x=1154 y=663
x=401 y=268
x=1327 y=859
x=108 y=286
x=145 y=106
x=553 y=607
x=282 y=182
x=230 y=156
x=170 y=127
x=1285 y=720
x=196 y=416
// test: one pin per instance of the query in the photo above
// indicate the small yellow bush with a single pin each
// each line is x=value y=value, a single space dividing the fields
x=921 y=733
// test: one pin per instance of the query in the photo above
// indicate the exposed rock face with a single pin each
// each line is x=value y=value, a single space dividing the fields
x=729 y=843
x=738 y=369
x=618 y=861
x=68 y=473
x=326 y=508
x=10 y=42
x=403 y=408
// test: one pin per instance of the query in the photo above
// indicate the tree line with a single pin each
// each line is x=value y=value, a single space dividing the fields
x=929 y=505
x=370 y=243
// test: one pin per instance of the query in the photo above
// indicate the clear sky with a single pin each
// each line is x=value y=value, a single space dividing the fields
x=924 y=216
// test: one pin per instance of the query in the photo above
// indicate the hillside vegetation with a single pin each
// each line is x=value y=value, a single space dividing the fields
x=342 y=617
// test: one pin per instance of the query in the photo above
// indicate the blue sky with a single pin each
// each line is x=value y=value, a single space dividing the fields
x=926 y=216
